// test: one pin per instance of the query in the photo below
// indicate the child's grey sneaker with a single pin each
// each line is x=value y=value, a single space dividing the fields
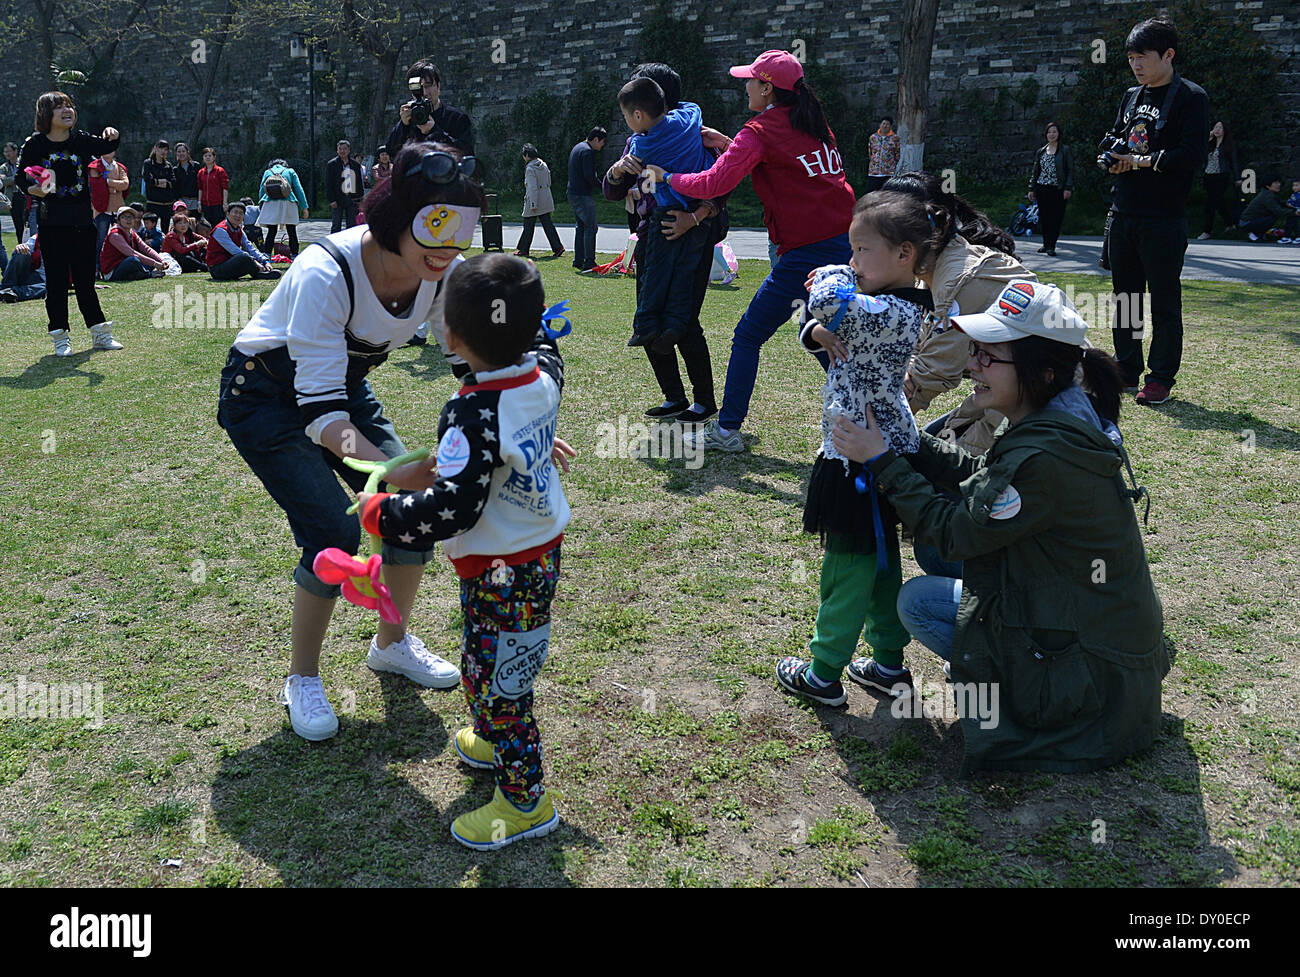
x=865 y=672
x=792 y=674
x=710 y=438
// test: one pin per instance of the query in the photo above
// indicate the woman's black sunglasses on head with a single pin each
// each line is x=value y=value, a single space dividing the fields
x=440 y=167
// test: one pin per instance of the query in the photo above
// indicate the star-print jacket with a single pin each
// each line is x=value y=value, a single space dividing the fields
x=880 y=332
x=498 y=495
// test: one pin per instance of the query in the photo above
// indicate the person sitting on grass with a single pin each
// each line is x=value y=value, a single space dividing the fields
x=670 y=140
x=24 y=277
x=1055 y=611
x=189 y=249
x=125 y=257
x=1268 y=208
x=500 y=511
x=231 y=255
x=151 y=233
x=867 y=317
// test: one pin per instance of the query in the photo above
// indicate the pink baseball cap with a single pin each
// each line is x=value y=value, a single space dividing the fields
x=779 y=68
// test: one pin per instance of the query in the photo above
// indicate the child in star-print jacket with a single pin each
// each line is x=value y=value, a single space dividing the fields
x=499 y=507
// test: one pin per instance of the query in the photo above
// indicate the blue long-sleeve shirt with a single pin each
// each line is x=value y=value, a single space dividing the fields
x=222 y=237
x=674 y=143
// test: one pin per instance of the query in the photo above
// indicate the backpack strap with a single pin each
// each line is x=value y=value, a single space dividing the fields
x=337 y=255
x=1137 y=492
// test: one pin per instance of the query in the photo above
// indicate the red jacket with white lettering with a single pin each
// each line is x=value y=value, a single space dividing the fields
x=800 y=180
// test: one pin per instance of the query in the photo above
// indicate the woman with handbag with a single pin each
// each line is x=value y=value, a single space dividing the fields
x=281 y=197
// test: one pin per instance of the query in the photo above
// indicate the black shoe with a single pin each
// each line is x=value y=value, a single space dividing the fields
x=8 y=295
x=865 y=673
x=642 y=339
x=1052 y=253
x=1042 y=250
x=693 y=416
x=668 y=410
x=792 y=674
x=416 y=341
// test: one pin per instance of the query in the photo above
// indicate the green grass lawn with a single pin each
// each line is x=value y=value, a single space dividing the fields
x=139 y=552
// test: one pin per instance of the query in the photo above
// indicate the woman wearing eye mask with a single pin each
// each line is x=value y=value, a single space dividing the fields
x=295 y=400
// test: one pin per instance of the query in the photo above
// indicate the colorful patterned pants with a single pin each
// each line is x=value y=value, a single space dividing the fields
x=506 y=640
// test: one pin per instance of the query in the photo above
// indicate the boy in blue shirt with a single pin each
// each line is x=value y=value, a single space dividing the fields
x=670 y=140
x=151 y=233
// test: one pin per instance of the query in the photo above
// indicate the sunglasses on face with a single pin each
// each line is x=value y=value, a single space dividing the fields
x=983 y=358
x=439 y=167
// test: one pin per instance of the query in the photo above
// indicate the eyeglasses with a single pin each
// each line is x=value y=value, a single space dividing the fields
x=440 y=167
x=983 y=358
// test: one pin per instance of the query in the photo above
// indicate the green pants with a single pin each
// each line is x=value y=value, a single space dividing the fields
x=856 y=599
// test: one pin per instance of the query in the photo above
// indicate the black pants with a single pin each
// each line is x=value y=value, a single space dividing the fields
x=875 y=183
x=693 y=346
x=64 y=249
x=345 y=209
x=270 y=239
x=162 y=208
x=19 y=215
x=548 y=226
x=189 y=262
x=1146 y=253
x=237 y=266
x=1051 y=213
x=1216 y=199
x=214 y=214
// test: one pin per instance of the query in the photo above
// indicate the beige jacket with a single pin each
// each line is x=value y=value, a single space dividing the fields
x=972 y=277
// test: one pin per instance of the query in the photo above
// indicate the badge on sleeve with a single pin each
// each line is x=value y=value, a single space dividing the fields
x=1005 y=505
x=453 y=453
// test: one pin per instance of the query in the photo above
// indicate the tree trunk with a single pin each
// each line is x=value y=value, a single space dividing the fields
x=45 y=34
x=210 y=74
x=380 y=117
x=915 y=47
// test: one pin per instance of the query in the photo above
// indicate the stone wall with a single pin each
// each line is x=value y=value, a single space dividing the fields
x=981 y=48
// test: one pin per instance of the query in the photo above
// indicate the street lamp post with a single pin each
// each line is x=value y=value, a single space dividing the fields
x=300 y=47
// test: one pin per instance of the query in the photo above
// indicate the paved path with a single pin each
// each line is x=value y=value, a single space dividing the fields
x=1276 y=264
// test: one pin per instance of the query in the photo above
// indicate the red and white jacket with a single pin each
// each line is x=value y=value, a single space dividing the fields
x=498 y=494
x=800 y=180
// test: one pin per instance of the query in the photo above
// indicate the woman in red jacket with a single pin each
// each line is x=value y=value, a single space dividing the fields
x=798 y=174
x=125 y=257
x=189 y=250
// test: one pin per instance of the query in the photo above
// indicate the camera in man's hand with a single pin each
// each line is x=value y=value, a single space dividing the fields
x=1106 y=160
x=421 y=107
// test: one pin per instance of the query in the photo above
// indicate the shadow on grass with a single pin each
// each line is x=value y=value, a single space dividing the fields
x=1197 y=418
x=1141 y=822
x=50 y=368
x=734 y=472
x=336 y=814
x=1292 y=337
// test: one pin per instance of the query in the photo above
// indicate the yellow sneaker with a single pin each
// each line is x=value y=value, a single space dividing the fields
x=473 y=750
x=499 y=823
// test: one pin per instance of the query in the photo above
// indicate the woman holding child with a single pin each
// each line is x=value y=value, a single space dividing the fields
x=807 y=207
x=1055 y=608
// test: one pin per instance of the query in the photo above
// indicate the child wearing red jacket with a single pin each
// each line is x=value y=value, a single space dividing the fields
x=189 y=250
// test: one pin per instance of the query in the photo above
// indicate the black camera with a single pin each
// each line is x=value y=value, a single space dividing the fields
x=1106 y=160
x=421 y=108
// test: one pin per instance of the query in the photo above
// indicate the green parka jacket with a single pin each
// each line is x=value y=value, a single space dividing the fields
x=1057 y=604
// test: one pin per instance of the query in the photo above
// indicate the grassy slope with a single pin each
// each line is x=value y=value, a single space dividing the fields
x=142 y=553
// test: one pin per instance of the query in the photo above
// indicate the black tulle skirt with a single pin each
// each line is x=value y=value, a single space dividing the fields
x=835 y=506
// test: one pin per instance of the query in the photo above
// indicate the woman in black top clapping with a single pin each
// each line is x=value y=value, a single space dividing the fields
x=159 y=177
x=68 y=233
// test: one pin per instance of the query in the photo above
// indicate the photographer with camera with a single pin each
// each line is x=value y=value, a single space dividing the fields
x=1155 y=148
x=426 y=118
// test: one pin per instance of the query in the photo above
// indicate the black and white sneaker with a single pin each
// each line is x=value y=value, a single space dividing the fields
x=866 y=673
x=792 y=673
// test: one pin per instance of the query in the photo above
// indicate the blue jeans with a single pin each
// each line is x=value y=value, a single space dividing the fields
x=19 y=276
x=258 y=408
x=584 y=232
x=927 y=606
x=103 y=224
x=666 y=292
x=130 y=270
x=772 y=305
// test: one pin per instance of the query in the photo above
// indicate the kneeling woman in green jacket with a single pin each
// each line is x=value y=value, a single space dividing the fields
x=1055 y=620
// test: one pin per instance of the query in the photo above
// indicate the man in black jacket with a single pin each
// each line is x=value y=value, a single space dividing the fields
x=344 y=187
x=1156 y=147
x=445 y=124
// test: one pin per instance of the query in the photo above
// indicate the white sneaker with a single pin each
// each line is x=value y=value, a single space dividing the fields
x=62 y=342
x=1285 y=240
x=310 y=713
x=710 y=438
x=102 y=337
x=422 y=330
x=411 y=658
x=1252 y=235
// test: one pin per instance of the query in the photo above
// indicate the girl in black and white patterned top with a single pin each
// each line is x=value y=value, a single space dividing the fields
x=867 y=316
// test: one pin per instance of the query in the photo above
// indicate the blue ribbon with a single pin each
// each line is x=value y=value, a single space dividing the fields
x=864 y=483
x=557 y=311
x=845 y=294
